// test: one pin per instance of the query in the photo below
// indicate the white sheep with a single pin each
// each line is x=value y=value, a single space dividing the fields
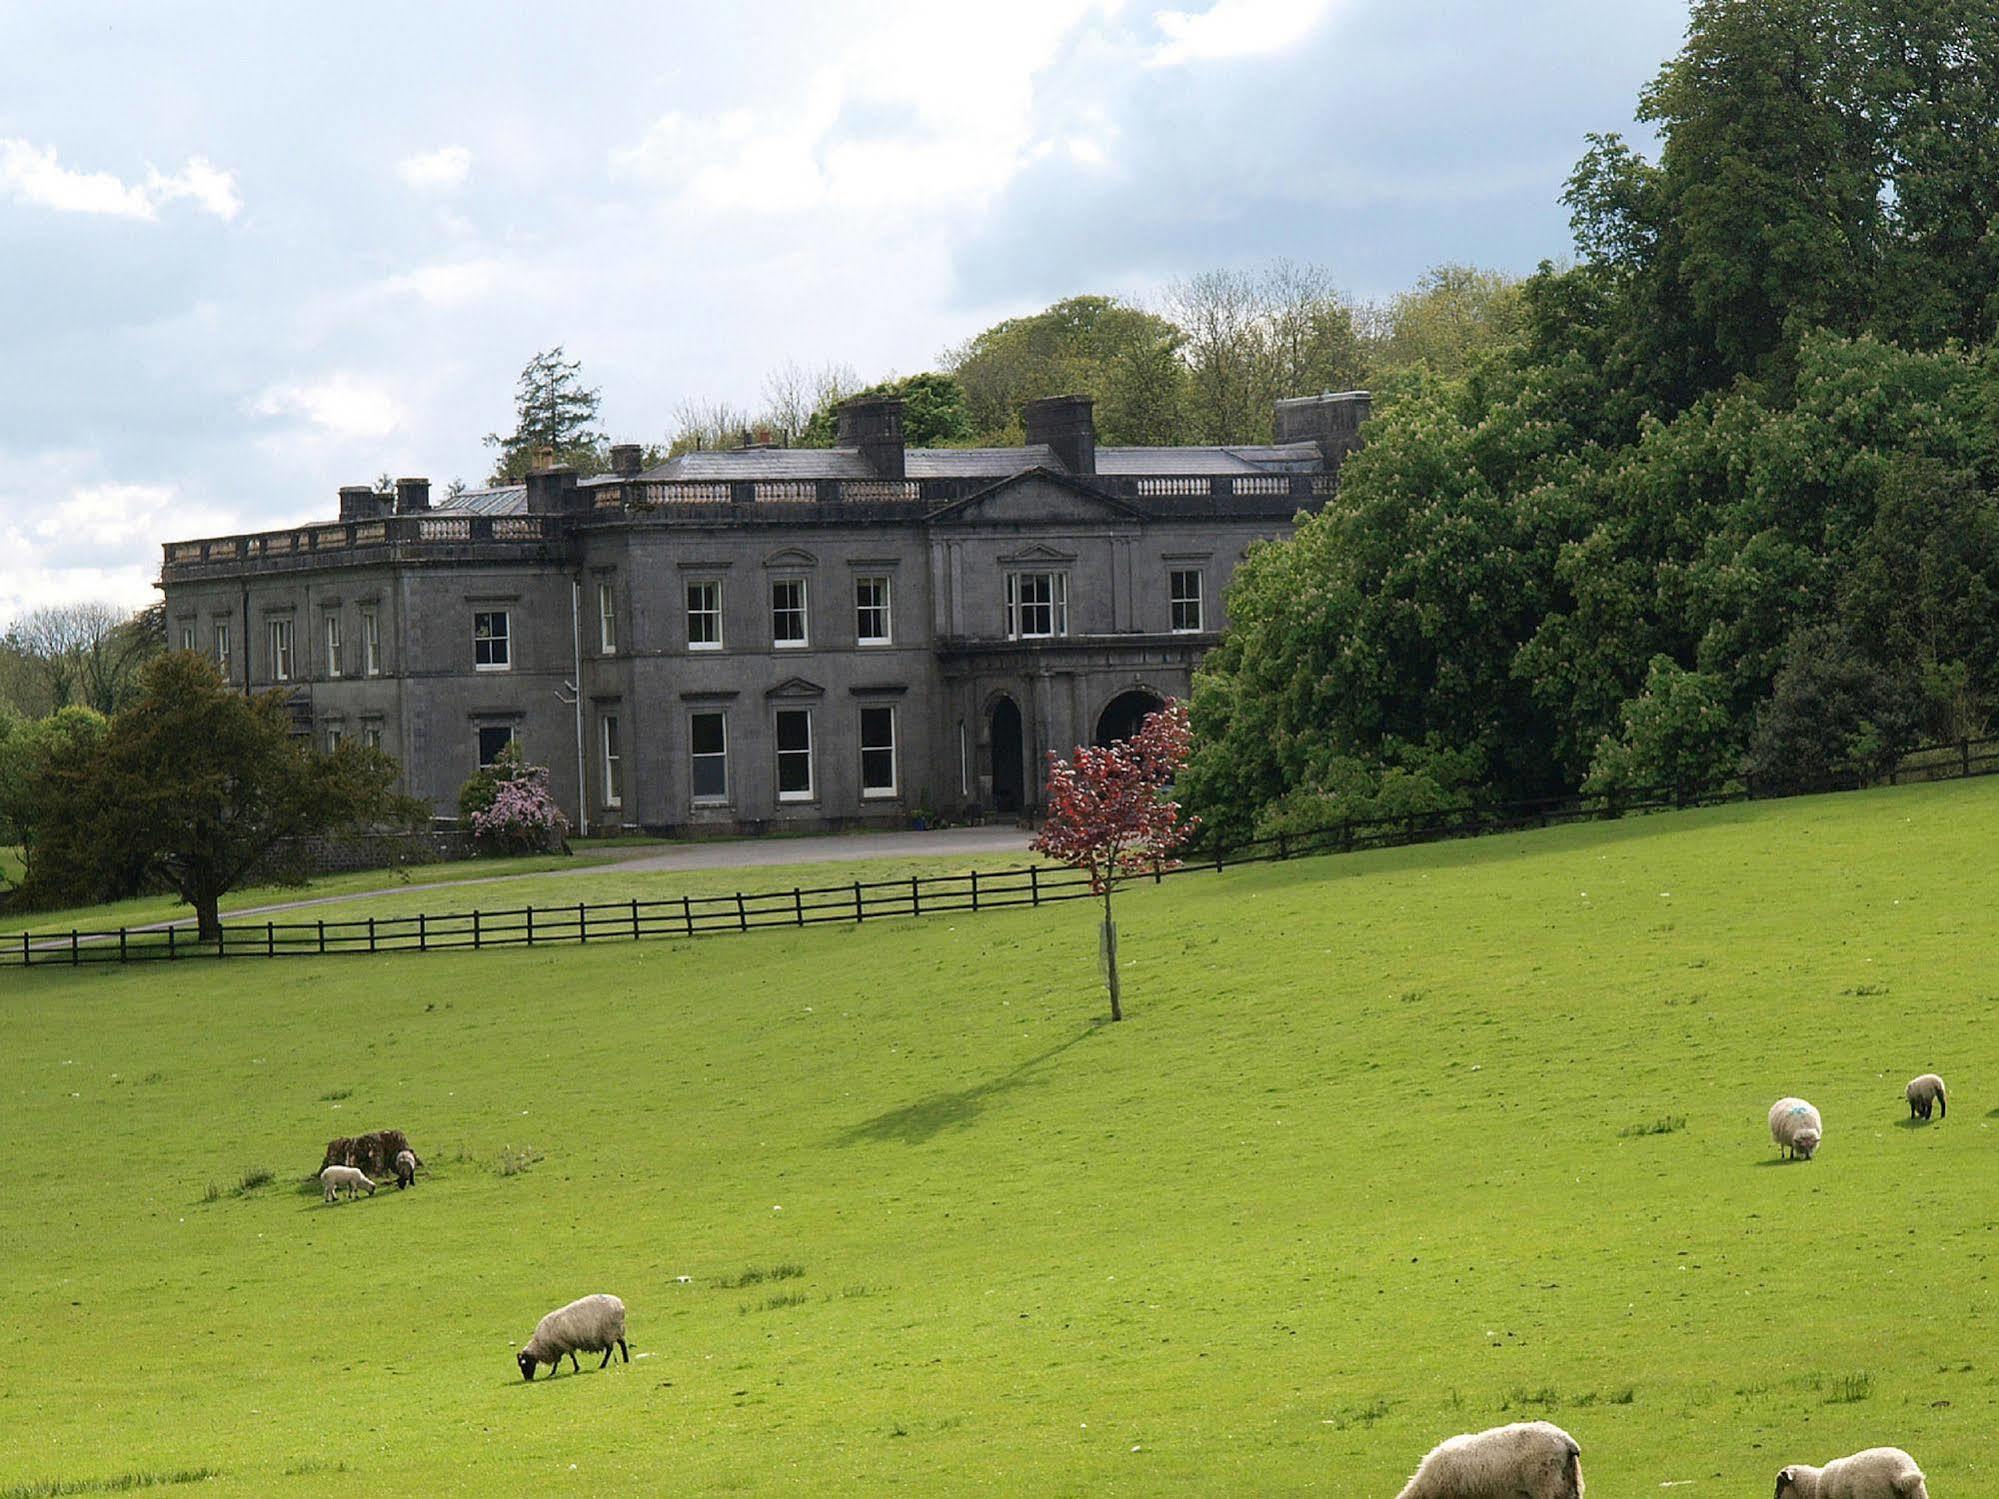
x=1925 y=1093
x=1877 y=1473
x=1527 y=1460
x=590 y=1323
x=405 y=1168
x=333 y=1178
x=1796 y=1127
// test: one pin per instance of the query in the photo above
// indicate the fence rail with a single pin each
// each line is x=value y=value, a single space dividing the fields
x=583 y=922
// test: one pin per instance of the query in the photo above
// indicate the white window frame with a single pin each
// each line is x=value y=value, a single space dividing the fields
x=187 y=637
x=1018 y=604
x=802 y=609
x=503 y=638
x=612 y=760
x=710 y=610
x=894 y=786
x=778 y=755
x=334 y=734
x=279 y=633
x=1176 y=601
x=607 y=620
x=371 y=643
x=884 y=609
x=715 y=798
x=222 y=647
x=332 y=644
x=371 y=736
x=512 y=732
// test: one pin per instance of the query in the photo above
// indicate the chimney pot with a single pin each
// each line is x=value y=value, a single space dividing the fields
x=412 y=496
x=626 y=459
x=359 y=502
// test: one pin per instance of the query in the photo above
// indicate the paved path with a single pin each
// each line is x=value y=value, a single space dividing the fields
x=736 y=853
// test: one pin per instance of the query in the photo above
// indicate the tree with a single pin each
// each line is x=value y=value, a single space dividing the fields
x=87 y=654
x=1109 y=814
x=1454 y=314
x=1254 y=337
x=39 y=809
x=198 y=785
x=933 y=413
x=553 y=416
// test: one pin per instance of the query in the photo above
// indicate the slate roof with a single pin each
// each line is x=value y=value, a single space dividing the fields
x=987 y=463
x=505 y=499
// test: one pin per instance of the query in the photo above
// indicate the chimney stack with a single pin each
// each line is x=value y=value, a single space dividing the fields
x=1331 y=420
x=359 y=502
x=626 y=459
x=874 y=425
x=553 y=491
x=1066 y=424
x=412 y=496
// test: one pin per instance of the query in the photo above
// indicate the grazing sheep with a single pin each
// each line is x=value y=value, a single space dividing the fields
x=374 y=1152
x=1877 y=1473
x=1796 y=1127
x=1527 y=1460
x=1925 y=1093
x=589 y=1324
x=333 y=1178
x=405 y=1168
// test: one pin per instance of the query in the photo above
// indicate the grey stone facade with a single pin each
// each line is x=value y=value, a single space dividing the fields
x=765 y=638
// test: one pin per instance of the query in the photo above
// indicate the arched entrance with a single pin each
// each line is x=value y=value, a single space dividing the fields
x=1009 y=757
x=1124 y=713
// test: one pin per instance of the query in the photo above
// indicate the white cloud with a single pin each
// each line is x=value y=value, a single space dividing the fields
x=31 y=174
x=450 y=284
x=342 y=404
x=1233 y=28
x=445 y=167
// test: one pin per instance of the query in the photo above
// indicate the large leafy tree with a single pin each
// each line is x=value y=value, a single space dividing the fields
x=197 y=785
x=554 y=417
x=934 y=413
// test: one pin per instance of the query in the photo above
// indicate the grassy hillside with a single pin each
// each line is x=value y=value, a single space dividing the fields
x=1391 y=1146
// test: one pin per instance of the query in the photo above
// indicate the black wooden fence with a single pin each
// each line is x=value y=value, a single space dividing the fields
x=859 y=902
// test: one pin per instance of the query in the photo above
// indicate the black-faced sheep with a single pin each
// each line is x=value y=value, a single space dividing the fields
x=1926 y=1093
x=587 y=1324
x=1527 y=1460
x=1877 y=1473
x=1796 y=1127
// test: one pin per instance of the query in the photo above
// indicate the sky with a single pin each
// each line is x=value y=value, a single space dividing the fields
x=250 y=254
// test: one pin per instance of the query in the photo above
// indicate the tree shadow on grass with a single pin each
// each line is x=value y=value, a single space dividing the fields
x=919 y=1122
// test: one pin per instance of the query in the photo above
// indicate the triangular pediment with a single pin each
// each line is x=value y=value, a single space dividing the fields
x=1039 y=552
x=1038 y=497
x=796 y=687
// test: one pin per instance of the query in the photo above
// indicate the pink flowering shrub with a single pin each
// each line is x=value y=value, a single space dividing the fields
x=522 y=817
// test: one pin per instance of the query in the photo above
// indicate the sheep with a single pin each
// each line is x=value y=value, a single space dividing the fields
x=1925 y=1093
x=1527 y=1460
x=591 y=1323
x=1877 y=1473
x=1796 y=1127
x=375 y=1151
x=405 y=1169
x=333 y=1178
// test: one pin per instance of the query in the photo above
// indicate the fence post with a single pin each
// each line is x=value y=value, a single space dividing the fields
x=121 y=944
x=798 y=904
x=1033 y=885
x=422 y=933
x=475 y=931
x=270 y=939
x=1218 y=854
x=687 y=913
x=371 y=934
x=322 y=935
x=635 y=918
x=75 y=951
x=1964 y=754
x=742 y=913
x=1156 y=875
x=530 y=926
x=1283 y=846
x=860 y=911
x=975 y=890
x=171 y=954
x=582 y=924
x=915 y=897
x=27 y=953
x=221 y=940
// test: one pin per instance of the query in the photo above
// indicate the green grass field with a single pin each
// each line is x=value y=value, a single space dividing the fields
x=1391 y=1146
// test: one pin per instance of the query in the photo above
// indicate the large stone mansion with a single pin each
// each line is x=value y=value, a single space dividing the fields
x=765 y=637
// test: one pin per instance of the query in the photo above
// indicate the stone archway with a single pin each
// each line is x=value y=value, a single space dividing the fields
x=1124 y=713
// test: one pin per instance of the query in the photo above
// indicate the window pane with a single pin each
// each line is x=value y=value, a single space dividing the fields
x=787 y=611
x=794 y=731
x=489 y=638
x=877 y=751
x=707 y=733
x=709 y=765
x=871 y=609
x=704 y=613
x=794 y=754
x=492 y=741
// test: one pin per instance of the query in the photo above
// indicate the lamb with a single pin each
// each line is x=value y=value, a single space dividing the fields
x=333 y=1178
x=591 y=1323
x=1925 y=1093
x=1527 y=1460
x=405 y=1168
x=1877 y=1473
x=1796 y=1127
